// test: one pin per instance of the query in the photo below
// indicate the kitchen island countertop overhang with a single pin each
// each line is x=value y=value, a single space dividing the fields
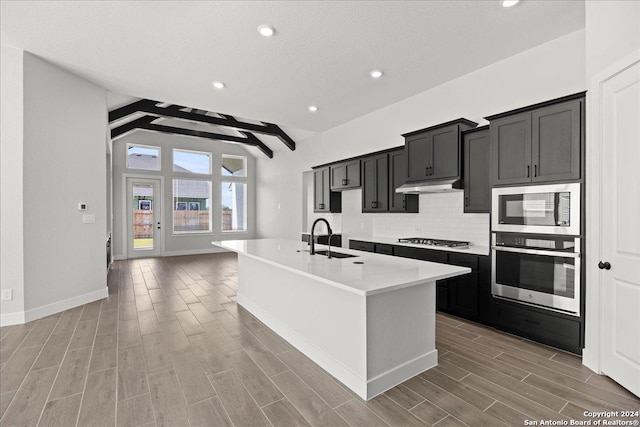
x=370 y=325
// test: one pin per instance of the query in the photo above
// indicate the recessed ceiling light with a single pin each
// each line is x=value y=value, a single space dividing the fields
x=266 y=30
x=312 y=108
x=218 y=85
x=509 y=3
x=375 y=74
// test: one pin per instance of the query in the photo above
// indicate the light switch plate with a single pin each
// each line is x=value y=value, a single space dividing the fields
x=88 y=219
x=6 y=295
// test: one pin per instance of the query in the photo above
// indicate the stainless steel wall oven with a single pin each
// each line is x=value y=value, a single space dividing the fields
x=540 y=270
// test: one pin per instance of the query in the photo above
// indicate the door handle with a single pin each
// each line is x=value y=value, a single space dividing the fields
x=158 y=226
x=321 y=206
x=535 y=171
x=604 y=265
x=528 y=171
x=345 y=182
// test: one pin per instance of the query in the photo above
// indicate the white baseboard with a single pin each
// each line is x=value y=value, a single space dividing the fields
x=56 y=307
x=400 y=374
x=365 y=388
x=212 y=250
x=12 y=319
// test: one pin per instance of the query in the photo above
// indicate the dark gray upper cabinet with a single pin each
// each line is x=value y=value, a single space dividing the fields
x=477 y=179
x=345 y=175
x=375 y=183
x=556 y=136
x=400 y=202
x=542 y=144
x=324 y=200
x=434 y=152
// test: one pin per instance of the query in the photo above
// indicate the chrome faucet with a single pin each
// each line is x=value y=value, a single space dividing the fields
x=312 y=251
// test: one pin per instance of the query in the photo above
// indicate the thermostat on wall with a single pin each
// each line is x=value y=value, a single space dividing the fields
x=82 y=206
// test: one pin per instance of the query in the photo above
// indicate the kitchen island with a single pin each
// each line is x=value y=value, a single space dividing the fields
x=368 y=319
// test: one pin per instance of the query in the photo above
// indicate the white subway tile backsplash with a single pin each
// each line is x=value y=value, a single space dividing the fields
x=441 y=216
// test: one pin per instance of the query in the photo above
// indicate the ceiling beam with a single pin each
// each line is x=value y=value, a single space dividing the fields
x=248 y=138
x=129 y=109
x=129 y=126
x=176 y=112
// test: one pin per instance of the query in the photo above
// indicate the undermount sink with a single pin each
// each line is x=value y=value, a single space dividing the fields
x=335 y=254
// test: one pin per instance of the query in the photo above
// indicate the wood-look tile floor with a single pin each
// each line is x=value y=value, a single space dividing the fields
x=170 y=347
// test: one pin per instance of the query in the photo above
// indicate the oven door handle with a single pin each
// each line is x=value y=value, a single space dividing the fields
x=537 y=252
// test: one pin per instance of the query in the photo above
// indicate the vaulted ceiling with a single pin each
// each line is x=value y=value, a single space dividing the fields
x=321 y=54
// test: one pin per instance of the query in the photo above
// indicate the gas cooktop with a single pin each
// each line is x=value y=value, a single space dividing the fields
x=433 y=242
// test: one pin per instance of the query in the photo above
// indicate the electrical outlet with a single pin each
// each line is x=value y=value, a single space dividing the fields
x=6 y=295
x=88 y=219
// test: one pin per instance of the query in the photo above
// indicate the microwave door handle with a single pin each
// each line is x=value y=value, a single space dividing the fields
x=556 y=203
x=537 y=252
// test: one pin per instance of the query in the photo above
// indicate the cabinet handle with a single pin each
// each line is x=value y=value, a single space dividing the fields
x=466 y=201
x=430 y=170
x=528 y=171
x=321 y=206
x=426 y=171
x=374 y=205
x=345 y=182
x=404 y=203
x=535 y=170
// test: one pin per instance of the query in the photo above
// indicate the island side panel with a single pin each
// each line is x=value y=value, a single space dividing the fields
x=324 y=322
x=401 y=340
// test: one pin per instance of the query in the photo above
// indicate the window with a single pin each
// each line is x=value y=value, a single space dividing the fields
x=192 y=206
x=191 y=162
x=234 y=165
x=234 y=203
x=143 y=157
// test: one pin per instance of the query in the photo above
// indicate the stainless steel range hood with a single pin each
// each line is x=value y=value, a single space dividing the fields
x=435 y=186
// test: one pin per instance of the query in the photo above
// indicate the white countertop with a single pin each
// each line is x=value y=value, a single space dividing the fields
x=471 y=249
x=378 y=273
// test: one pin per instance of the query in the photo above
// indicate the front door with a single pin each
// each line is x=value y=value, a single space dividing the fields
x=144 y=223
x=620 y=228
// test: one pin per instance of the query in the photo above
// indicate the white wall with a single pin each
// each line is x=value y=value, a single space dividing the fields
x=612 y=31
x=57 y=162
x=548 y=71
x=184 y=243
x=11 y=209
x=65 y=120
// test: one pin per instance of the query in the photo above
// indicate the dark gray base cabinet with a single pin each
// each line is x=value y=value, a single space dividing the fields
x=476 y=171
x=539 y=325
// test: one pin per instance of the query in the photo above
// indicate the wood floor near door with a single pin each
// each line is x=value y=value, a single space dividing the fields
x=170 y=347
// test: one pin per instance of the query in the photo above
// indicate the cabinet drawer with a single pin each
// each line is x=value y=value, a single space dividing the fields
x=361 y=246
x=421 y=254
x=464 y=260
x=384 y=249
x=546 y=328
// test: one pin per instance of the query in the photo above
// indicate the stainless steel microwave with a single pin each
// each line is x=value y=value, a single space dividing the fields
x=540 y=209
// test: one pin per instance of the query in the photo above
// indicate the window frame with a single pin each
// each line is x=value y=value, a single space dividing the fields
x=244 y=202
x=183 y=150
x=174 y=204
x=133 y=144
